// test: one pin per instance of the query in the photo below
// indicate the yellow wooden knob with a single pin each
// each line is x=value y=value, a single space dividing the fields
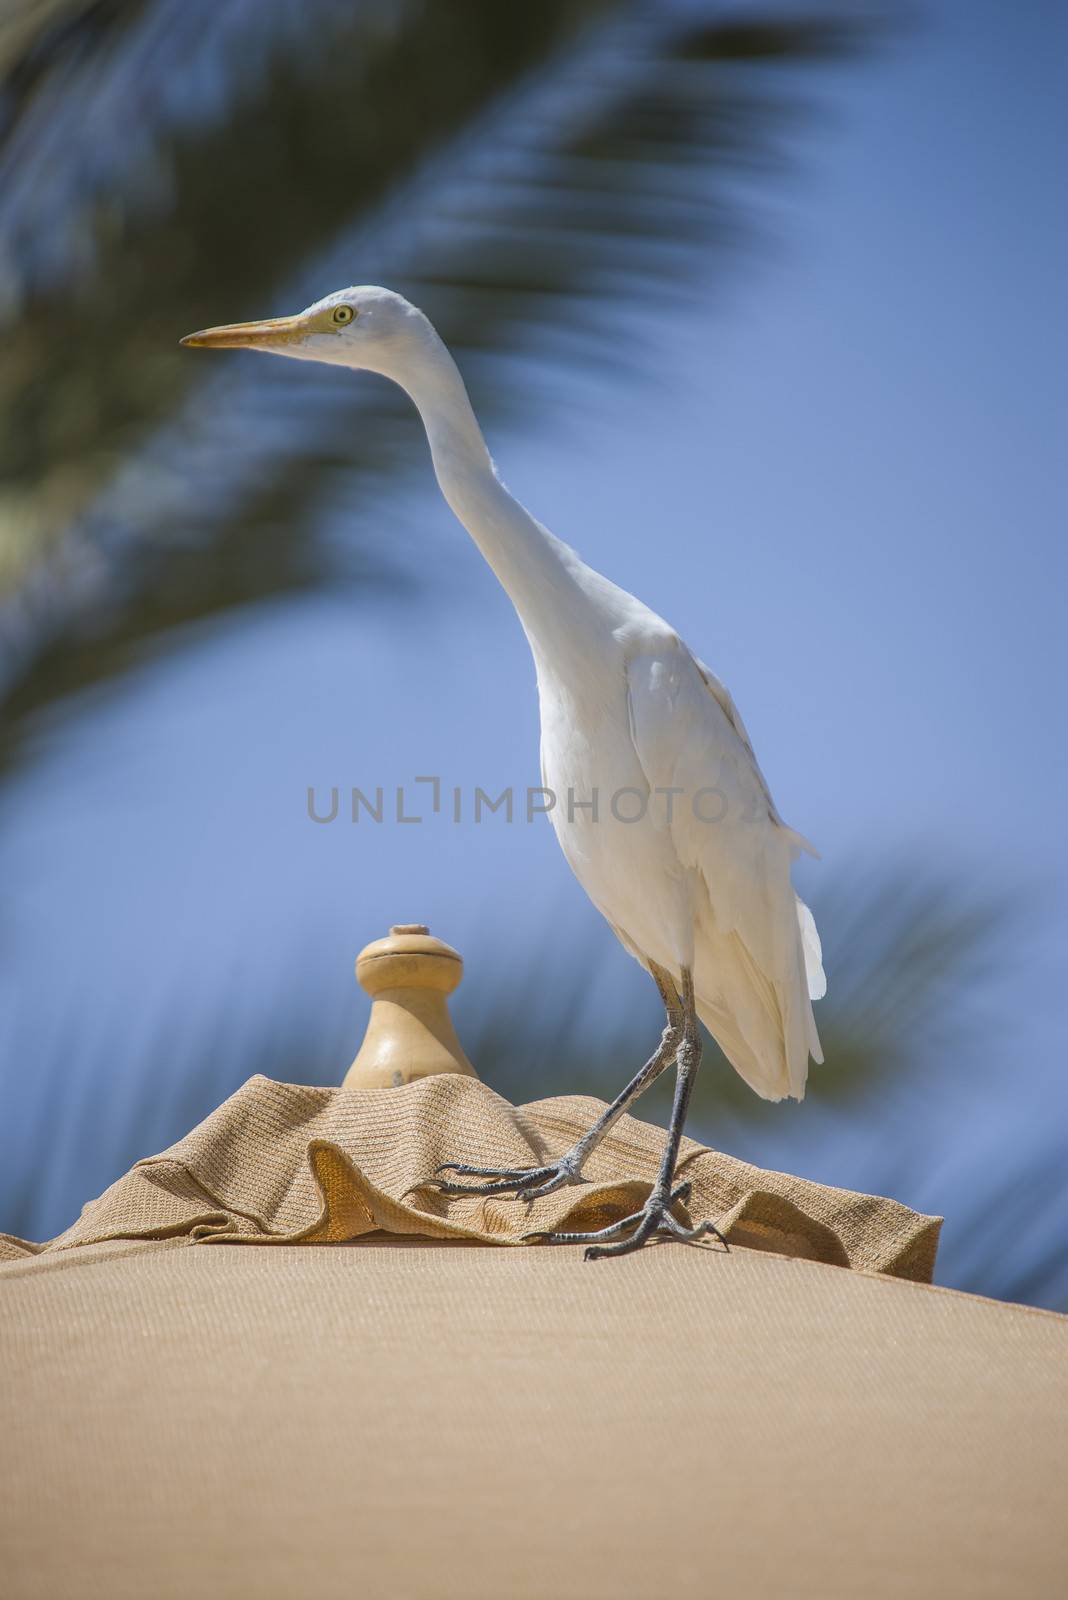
x=410 y=1033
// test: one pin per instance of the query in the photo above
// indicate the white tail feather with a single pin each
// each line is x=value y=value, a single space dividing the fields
x=764 y=1027
x=810 y=944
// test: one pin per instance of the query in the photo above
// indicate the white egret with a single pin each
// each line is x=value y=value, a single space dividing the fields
x=662 y=811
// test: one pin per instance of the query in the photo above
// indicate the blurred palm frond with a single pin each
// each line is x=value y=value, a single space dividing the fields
x=1007 y=1241
x=145 y=492
x=264 y=128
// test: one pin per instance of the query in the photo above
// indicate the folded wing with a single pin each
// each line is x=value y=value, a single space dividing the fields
x=757 y=957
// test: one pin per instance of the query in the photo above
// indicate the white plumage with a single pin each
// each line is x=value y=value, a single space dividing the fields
x=660 y=806
x=708 y=889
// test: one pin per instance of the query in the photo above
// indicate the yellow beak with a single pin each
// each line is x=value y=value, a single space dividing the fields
x=250 y=335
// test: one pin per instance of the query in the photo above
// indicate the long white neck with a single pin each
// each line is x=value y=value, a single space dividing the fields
x=541 y=575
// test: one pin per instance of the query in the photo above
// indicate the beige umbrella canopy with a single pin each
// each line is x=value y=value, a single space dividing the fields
x=375 y=1402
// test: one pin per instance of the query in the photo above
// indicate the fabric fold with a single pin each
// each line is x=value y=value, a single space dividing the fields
x=285 y=1163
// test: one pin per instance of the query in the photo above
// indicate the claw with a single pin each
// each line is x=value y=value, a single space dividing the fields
x=526 y=1183
x=691 y=1235
x=534 y=1183
x=551 y=1186
x=652 y=1219
x=501 y=1186
x=465 y=1171
x=613 y=1231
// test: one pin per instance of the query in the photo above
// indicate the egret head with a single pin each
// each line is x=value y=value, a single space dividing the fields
x=366 y=327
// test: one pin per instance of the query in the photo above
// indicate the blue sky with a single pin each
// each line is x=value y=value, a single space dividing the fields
x=844 y=484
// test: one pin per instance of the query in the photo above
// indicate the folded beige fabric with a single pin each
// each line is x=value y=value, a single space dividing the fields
x=283 y=1163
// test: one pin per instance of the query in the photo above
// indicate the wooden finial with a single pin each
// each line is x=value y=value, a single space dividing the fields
x=410 y=1033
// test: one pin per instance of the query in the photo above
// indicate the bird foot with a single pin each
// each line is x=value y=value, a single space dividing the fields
x=655 y=1217
x=526 y=1183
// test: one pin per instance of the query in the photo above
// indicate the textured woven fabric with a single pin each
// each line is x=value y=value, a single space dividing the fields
x=432 y=1421
x=280 y=1163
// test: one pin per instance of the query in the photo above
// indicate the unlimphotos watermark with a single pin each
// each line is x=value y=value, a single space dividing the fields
x=408 y=805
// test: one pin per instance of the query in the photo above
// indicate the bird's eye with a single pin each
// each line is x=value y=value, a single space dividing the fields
x=343 y=314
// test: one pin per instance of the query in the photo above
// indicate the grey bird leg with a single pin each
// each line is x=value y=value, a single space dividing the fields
x=655 y=1216
x=533 y=1182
